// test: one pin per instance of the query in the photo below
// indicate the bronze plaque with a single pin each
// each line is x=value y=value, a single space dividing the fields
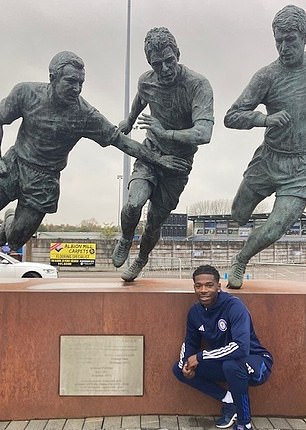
x=101 y=365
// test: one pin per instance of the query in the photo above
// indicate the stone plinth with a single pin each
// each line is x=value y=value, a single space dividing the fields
x=35 y=313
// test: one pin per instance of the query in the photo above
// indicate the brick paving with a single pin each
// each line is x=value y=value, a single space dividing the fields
x=148 y=422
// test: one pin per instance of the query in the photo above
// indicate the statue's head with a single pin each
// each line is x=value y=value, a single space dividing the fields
x=67 y=75
x=289 y=28
x=157 y=39
x=162 y=54
x=290 y=18
x=62 y=59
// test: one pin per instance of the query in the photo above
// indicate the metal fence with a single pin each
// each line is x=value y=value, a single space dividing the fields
x=182 y=268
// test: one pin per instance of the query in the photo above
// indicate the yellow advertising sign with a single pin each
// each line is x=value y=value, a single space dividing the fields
x=72 y=254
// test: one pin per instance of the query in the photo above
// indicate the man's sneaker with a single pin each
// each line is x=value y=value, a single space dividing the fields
x=133 y=271
x=242 y=427
x=228 y=417
x=235 y=277
x=121 y=252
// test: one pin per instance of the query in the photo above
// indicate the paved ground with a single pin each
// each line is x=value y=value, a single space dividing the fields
x=148 y=422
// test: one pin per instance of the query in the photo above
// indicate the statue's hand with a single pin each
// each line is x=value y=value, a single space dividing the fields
x=148 y=122
x=175 y=164
x=125 y=126
x=3 y=168
x=278 y=119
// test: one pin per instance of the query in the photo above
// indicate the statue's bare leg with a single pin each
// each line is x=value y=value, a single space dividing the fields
x=4 y=201
x=21 y=225
x=286 y=210
x=139 y=192
x=244 y=203
x=155 y=220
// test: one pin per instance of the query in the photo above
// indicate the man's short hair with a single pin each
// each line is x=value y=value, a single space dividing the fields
x=61 y=60
x=290 y=18
x=206 y=269
x=159 y=38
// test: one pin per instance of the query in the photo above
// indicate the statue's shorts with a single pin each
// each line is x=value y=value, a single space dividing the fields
x=167 y=185
x=270 y=171
x=33 y=186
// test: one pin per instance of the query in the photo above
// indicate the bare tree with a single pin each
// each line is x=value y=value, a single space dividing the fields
x=263 y=208
x=211 y=207
x=90 y=224
x=221 y=207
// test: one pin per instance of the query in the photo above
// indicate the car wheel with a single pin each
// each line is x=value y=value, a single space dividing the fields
x=31 y=275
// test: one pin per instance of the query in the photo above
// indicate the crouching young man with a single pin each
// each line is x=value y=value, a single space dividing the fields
x=232 y=354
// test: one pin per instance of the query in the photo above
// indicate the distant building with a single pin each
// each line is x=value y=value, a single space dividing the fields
x=175 y=227
x=223 y=227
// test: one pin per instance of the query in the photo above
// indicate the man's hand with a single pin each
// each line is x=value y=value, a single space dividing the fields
x=190 y=366
x=125 y=126
x=278 y=119
x=192 y=361
x=175 y=164
x=147 y=122
x=188 y=372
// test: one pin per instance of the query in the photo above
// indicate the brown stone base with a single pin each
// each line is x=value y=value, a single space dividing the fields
x=35 y=313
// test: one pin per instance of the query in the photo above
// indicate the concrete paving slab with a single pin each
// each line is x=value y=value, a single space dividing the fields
x=74 y=424
x=261 y=423
x=17 y=425
x=280 y=423
x=149 y=421
x=208 y=423
x=297 y=423
x=131 y=422
x=168 y=421
x=55 y=424
x=94 y=423
x=187 y=421
x=37 y=424
x=112 y=422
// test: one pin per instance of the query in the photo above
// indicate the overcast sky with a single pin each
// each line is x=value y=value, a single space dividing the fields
x=225 y=40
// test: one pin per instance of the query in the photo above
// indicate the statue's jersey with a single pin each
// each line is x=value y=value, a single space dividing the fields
x=177 y=106
x=50 y=130
x=278 y=88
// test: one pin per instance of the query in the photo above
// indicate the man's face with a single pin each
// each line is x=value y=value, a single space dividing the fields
x=165 y=65
x=206 y=289
x=290 y=46
x=68 y=85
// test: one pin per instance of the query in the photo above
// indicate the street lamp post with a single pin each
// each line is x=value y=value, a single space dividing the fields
x=119 y=177
x=127 y=158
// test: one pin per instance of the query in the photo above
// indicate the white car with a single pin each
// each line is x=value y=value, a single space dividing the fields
x=12 y=268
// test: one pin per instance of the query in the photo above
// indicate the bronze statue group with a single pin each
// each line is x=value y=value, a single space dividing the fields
x=55 y=117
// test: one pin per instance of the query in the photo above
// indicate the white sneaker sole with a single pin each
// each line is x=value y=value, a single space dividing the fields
x=229 y=424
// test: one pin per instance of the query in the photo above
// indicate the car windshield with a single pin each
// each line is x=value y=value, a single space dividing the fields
x=9 y=258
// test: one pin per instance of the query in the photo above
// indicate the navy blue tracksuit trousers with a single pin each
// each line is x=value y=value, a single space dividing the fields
x=239 y=374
